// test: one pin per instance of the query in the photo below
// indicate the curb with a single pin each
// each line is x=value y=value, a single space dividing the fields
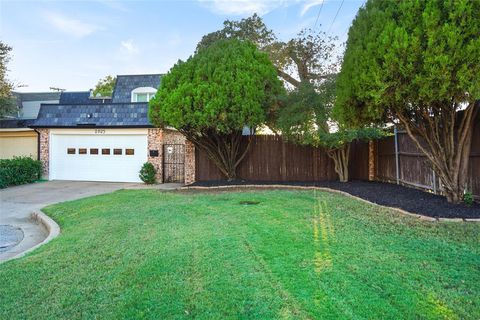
x=49 y=224
x=281 y=186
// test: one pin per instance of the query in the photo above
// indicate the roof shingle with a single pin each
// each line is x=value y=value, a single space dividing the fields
x=99 y=115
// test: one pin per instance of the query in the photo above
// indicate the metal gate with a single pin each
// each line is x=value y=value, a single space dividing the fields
x=174 y=163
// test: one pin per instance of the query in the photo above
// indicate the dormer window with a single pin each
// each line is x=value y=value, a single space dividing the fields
x=143 y=94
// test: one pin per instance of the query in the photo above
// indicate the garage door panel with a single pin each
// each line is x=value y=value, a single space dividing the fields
x=97 y=167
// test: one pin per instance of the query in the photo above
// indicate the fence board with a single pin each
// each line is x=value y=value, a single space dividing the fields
x=272 y=159
x=358 y=162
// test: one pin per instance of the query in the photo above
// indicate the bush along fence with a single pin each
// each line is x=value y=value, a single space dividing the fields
x=19 y=170
x=394 y=159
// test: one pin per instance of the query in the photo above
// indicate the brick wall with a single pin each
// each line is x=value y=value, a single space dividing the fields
x=189 y=162
x=155 y=142
x=173 y=137
x=44 y=150
x=157 y=138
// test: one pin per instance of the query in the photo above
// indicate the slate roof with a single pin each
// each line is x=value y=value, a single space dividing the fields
x=93 y=115
x=36 y=96
x=15 y=123
x=126 y=83
x=75 y=97
x=80 y=97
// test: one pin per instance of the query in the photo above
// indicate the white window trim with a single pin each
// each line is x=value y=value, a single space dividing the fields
x=149 y=91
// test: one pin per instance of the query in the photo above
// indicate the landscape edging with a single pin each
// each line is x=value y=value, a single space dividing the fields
x=52 y=228
x=280 y=186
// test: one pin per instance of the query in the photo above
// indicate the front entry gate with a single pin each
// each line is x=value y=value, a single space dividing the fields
x=174 y=163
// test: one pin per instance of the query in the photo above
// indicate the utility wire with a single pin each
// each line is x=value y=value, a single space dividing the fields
x=318 y=15
x=336 y=15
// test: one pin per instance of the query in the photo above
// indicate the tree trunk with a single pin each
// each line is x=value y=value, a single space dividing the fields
x=225 y=150
x=340 y=157
x=446 y=144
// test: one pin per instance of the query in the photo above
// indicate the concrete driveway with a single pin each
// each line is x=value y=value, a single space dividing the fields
x=17 y=203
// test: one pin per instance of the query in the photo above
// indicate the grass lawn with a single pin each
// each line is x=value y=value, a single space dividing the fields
x=296 y=254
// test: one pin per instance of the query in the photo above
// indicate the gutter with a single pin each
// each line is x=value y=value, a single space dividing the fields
x=91 y=127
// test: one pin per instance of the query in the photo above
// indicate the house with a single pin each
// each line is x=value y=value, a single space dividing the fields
x=16 y=138
x=110 y=139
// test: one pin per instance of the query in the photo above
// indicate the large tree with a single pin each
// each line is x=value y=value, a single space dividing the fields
x=8 y=105
x=306 y=118
x=310 y=57
x=307 y=64
x=417 y=63
x=213 y=95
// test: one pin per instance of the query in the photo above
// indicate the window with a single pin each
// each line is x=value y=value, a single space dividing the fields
x=94 y=151
x=117 y=151
x=71 y=151
x=105 y=151
x=82 y=151
x=129 y=152
x=143 y=94
x=143 y=97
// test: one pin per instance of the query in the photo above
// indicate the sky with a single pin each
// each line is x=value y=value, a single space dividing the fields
x=73 y=44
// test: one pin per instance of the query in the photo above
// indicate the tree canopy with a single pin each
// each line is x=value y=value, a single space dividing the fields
x=104 y=87
x=308 y=57
x=417 y=63
x=213 y=95
x=7 y=101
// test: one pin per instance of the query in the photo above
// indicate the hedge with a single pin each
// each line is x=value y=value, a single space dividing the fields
x=19 y=170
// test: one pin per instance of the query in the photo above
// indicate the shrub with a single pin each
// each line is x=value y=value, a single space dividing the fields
x=468 y=198
x=19 y=170
x=147 y=173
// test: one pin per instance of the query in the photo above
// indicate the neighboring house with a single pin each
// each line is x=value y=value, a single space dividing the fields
x=16 y=138
x=110 y=140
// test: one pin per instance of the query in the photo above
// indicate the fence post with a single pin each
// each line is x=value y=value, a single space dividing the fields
x=397 y=171
x=434 y=181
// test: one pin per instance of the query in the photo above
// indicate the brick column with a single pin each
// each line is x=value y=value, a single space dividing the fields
x=44 y=151
x=155 y=142
x=189 y=162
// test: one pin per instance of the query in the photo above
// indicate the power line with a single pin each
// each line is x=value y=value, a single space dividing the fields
x=336 y=15
x=318 y=15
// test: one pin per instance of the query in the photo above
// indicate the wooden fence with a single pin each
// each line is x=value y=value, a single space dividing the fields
x=413 y=166
x=271 y=159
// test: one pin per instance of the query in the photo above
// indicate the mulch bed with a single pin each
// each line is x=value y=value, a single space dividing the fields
x=387 y=194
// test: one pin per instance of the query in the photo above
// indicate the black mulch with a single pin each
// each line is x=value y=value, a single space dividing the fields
x=387 y=194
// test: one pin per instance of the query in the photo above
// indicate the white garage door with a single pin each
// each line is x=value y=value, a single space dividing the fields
x=97 y=157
